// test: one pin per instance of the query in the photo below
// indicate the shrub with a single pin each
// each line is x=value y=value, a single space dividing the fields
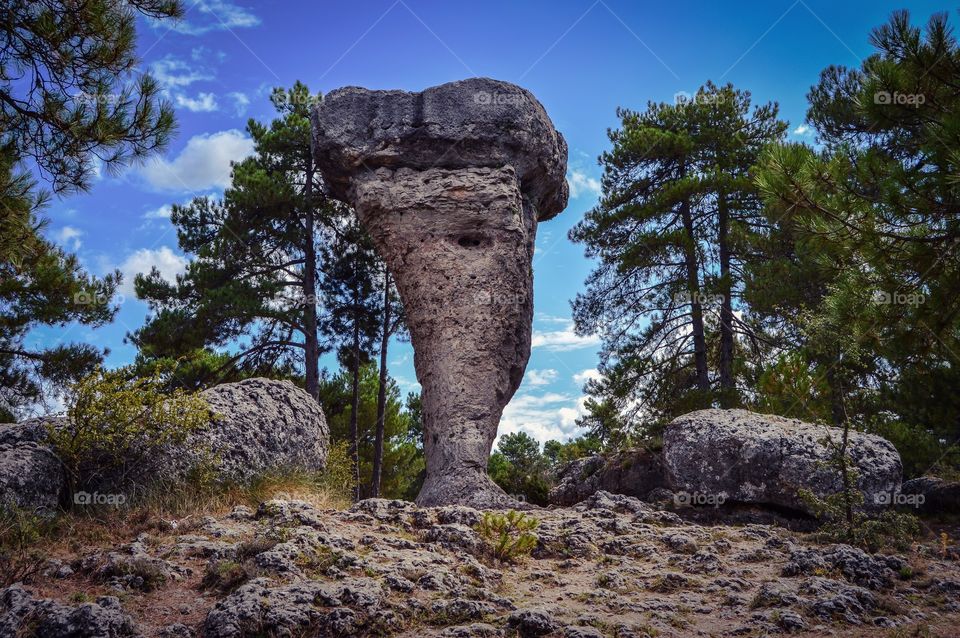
x=509 y=537
x=118 y=423
x=20 y=530
x=887 y=529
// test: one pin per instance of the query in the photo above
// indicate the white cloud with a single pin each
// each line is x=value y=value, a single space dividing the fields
x=203 y=103
x=210 y=15
x=173 y=73
x=203 y=164
x=69 y=237
x=563 y=340
x=590 y=374
x=546 y=318
x=540 y=377
x=159 y=213
x=582 y=184
x=240 y=102
x=167 y=262
x=803 y=129
x=544 y=416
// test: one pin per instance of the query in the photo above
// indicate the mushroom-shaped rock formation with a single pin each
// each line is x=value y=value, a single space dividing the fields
x=450 y=184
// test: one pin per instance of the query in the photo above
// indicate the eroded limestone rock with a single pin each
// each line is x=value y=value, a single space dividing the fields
x=450 y=183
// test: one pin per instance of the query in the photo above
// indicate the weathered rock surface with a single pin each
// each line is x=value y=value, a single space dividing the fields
x=23 y=615
x=450 y=183
x=759 y=458
x=631 y=472
x=31 y=476
x=610 y=566
x=938 y=496
x=263 y=425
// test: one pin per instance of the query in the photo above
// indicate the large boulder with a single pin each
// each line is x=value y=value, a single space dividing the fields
x=758 y=458
x=31 y=475
x=634 y=472
x=260 y=425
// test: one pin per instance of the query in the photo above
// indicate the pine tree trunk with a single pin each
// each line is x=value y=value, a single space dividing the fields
x=693 y=287
x=381 y=389
x=726 y=305
x=355 y=405
x=311 y=340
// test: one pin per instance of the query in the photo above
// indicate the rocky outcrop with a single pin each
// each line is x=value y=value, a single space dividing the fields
x=612 y=565
x=23 y=615
x=759 y=458
x=31 y=476
x=450 y=183
x=261 y=425
x=930 y=495
x=634 y=472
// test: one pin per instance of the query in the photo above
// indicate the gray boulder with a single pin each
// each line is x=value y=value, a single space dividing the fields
x=21 y=613
x=634 y=472
x=759 y=458
x=261 y=425
x=31 y=476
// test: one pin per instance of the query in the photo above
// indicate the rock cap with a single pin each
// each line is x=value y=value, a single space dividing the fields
x=468 y=123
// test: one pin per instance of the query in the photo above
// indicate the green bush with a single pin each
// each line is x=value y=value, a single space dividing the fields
x=887 y=529
x=509 y=537
x=118 y=423
x=20 y=530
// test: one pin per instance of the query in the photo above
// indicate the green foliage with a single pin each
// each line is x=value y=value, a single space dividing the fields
x=509 y=537
x=71 y=95
x=119 y=422
x=254 y=275
x=520 y=468
x=20 y=529
x=666 y=236
x=843 y=520
x=403 y=461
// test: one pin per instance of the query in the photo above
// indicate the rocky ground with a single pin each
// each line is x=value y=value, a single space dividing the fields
x=609 y=566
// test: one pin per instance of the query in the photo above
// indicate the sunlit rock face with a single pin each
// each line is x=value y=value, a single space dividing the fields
x=451 y=183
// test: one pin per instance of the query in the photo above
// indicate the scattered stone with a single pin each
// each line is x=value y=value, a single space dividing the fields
x=531 y=622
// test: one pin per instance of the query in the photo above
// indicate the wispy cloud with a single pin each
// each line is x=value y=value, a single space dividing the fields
x=563 y=340
x=582 y=184
x=204 y=163
x=69 y=237
x=240 y=102
x=167 y=262
x=202 y=103
x=550 y=415
x=803 y=129
x=590 y=374
x=210 y=15
x=173 y=73
x=540 y=377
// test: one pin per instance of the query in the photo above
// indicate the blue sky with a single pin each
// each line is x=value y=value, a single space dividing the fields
x=581 y=58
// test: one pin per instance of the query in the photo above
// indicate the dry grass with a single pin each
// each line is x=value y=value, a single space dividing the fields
x=166 y=508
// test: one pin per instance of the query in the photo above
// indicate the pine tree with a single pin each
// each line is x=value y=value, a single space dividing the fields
x=254 y=272
x=667 y=234
x=351 y=313
x=69 y=101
